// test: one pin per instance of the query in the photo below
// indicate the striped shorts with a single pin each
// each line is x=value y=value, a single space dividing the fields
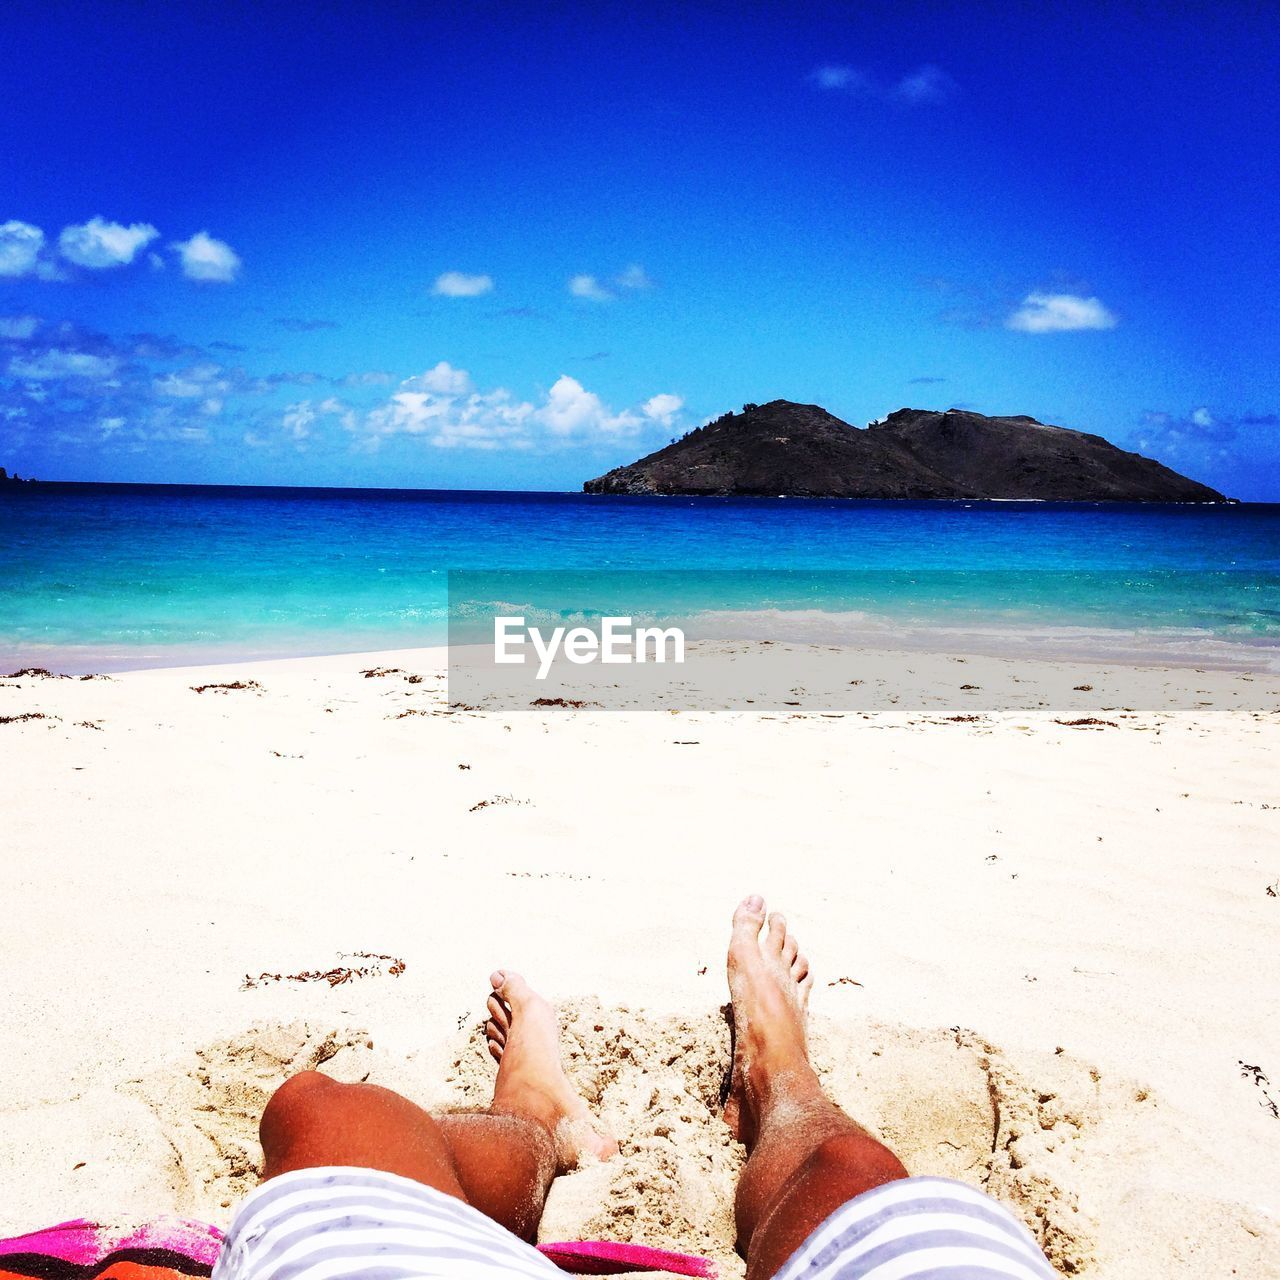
x=343 y=1224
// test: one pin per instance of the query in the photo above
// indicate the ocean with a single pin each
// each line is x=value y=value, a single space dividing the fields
x=114 y=576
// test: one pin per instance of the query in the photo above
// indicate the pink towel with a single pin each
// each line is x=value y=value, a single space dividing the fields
x=603 y=1258
x=167 y=1241
x=85 y=1244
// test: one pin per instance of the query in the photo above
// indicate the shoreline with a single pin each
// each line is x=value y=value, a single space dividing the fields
x=51 y=485
x=1183 y=649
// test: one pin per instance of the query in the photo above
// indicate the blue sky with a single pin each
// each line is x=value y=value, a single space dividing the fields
x=509 y=246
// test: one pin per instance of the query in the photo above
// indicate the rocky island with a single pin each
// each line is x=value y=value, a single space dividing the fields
x=783 y=449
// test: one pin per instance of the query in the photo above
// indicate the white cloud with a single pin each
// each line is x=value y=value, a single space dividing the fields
x=298 y=420
x=55 y=365
x=98 y=243
x=174 y=384
x=662 y=408
x=198 y=381
x=590 y=288
x=443 y=406
x=474 y=420
x=344 y=412
x=443 y=380
x=836 y=76
x=20 y=327
x=635 y=277
x=1059 y=313
x=207 y=259
x=925 y=85
x=571 y=408
x=1201 y=417
x=457 y=284
x=20 y=245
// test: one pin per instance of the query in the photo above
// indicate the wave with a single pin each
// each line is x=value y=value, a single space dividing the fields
x=1190 y=646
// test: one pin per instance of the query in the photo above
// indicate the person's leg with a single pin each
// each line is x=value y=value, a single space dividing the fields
x=805 y=1156
x=501 y=1161
x=536 y=1126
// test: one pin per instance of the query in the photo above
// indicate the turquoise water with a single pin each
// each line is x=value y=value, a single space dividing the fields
x=126 y=575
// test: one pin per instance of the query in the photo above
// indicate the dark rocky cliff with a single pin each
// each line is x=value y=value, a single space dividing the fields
x=782 y=449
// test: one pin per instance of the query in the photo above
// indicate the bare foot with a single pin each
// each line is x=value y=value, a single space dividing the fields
x=524 y=1038
x=769 y=984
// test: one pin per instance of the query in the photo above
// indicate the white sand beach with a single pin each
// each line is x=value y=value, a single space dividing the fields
x=1046 y=954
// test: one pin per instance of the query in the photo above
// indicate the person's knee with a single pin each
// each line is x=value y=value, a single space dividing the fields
x=292 y=1104
x=303 y=1088
x=855 y=1156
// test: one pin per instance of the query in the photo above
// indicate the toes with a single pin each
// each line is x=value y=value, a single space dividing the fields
x=510 y=986
x=777 y=932
x=495 y=1040
x=790 y=949
x=749 y=917
x=806 y=985
x=733 y=1114
x=800 y=968
x=498 y=1011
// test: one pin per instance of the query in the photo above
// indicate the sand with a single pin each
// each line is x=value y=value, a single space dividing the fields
x=1046 y=954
